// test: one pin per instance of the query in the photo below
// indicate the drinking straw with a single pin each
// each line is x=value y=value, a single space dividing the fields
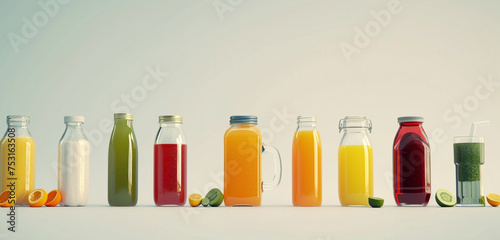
x=474 y=125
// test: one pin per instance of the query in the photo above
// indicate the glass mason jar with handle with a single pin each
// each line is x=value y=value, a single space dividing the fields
x=412 y=163
x=242 y=163
x=122 y=162
x=355 y=161
x=73 y=171
x=170 y=162
x=17 y=149
x=306 y=164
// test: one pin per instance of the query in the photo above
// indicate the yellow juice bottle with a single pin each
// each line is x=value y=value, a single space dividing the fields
x=306 y=164
x=355 y=161
x=17 y=149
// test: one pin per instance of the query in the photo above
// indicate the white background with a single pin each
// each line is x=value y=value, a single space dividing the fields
x=273 y=59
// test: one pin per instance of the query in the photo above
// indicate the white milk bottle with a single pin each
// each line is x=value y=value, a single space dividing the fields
x=73 y=180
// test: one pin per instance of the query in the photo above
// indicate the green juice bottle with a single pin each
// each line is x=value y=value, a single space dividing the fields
x=122 y=162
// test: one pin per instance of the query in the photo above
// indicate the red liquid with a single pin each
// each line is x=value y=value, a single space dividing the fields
x=412 y=182
x=170 y=174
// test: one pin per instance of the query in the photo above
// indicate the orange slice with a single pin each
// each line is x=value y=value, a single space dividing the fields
x=5 y=201
x=493 y=199
x=37 y=198
x=53 y=198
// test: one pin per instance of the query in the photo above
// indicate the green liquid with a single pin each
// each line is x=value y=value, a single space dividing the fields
x=468 y=160
x=468 y=157
x=122 y=165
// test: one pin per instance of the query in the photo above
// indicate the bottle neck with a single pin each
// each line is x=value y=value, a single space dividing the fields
x=123 y=122
x=74 y=132
x=306 y=126
x=19 y=128
x=171 y=124
x=413 y=124
x=243 y=125
x=355 y=130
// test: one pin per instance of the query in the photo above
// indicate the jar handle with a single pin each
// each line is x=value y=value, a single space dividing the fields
x=277 y=168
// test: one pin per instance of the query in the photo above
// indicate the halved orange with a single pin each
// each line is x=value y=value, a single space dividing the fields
x=493 y=199
x=53 y=198
x=37 y=198
x=5 y=201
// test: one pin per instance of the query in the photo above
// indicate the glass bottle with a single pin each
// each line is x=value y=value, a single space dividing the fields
x=18 y=159
x=306 y=163
x=242 y=163
x=355 y=161
x=170 y=162
x=73 y=171
x=412 y=165
x=122 y=162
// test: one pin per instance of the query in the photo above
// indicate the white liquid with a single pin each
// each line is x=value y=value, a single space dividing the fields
x=73 y=181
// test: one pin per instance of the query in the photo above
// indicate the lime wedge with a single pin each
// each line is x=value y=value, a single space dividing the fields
x=215 y=196
x=375 y=202
x=205 y=202
x=445 y=198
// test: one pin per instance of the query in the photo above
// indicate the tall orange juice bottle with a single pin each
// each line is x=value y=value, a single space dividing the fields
x=242 y=163
x=17 y=149
x=355 y=161
x=306 y=163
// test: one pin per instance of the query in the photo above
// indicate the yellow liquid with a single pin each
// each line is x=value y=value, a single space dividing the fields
x=306 y=169
x=355 y=174
x=24 y=168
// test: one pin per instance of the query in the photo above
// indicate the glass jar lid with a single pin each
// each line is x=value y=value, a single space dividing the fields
x=355 y=122
x=126 y=116
x=74 y=119
x=170 y=118
x=250 y=119
x=410 y=119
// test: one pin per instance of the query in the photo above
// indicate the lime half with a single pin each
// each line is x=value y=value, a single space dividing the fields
x=375 y=202
x=445 y=198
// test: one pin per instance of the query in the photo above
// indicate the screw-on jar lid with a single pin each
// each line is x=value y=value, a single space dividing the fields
x=18 y=118
x=410 y=119
x=355 y=122
x=250 y=119
x=170 y=118
x=73 y=119
x=126 y=116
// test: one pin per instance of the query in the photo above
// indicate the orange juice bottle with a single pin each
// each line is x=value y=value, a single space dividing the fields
x=242 y=163
x=17 y=170
x=306 y=163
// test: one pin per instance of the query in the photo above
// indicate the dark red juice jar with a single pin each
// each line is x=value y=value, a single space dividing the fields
x=412 y=163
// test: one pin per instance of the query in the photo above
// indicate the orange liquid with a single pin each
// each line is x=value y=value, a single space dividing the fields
x=306 y=169
x=242 y=165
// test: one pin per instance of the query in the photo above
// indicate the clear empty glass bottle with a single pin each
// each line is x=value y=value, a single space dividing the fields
x=73 y=180
x=170 y=162
x=355 y=161
x=122 y=162
x=17 y=149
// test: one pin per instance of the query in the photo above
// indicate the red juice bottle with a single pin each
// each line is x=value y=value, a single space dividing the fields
x=170 y=162
x=412 y=166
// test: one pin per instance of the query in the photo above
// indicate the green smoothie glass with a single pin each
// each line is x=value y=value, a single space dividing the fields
x=122 y=162
x=468 y=152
